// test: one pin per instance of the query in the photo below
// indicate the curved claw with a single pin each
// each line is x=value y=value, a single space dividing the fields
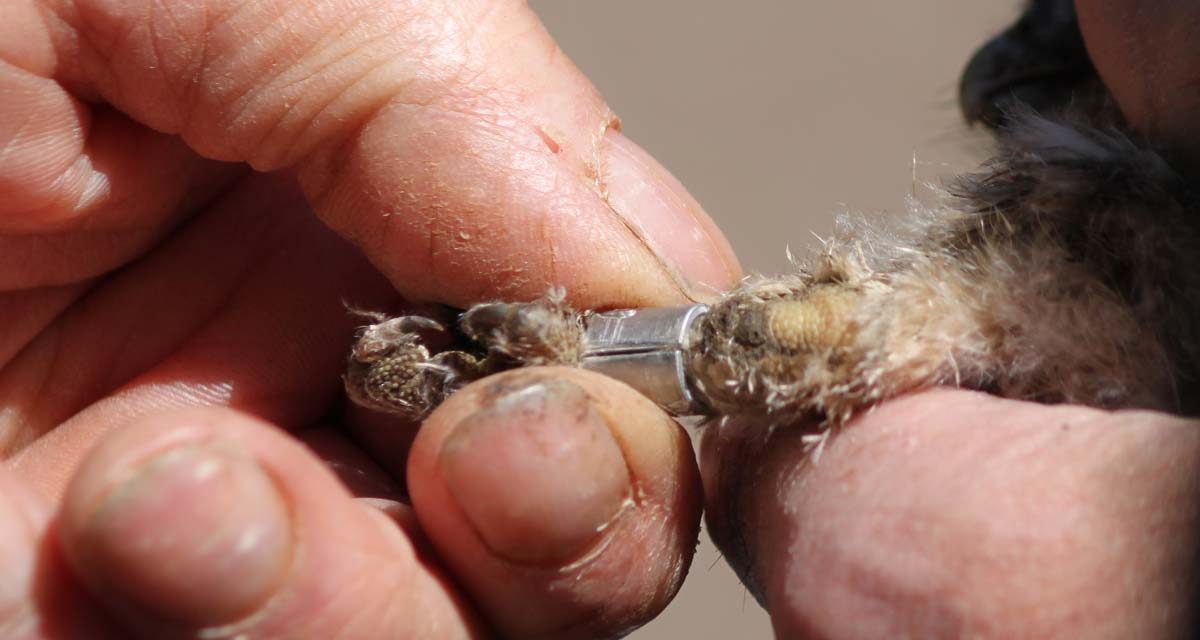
x=380 y=338
x=413 y=324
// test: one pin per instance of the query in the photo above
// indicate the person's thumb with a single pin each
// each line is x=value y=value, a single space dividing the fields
x=952 y=514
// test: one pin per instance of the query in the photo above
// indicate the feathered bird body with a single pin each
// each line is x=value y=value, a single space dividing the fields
x=1058 y=273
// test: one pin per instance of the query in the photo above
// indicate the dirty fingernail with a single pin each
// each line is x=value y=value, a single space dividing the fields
x=198 y=535
x=666 y=217
x=537 y=472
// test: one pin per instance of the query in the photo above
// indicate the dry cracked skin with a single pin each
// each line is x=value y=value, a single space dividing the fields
x=1063 y=270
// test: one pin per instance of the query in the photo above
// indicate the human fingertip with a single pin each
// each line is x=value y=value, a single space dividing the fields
x=664 y=216
x=195 y=535
x=536 y=471
x=541 y=488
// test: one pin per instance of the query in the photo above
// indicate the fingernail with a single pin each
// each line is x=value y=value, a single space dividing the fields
x=198 y=535
x=537 y=472
x=666 y=217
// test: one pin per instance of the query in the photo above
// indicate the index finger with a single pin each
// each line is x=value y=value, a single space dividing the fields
x=453 y=141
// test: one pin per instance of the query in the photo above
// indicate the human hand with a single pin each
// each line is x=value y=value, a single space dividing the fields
x=953 y=513
x=159 y=265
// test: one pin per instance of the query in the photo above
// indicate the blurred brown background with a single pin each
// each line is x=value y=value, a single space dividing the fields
x=779 y=115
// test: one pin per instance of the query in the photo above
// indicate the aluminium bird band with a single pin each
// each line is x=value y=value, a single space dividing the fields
x=644 y=348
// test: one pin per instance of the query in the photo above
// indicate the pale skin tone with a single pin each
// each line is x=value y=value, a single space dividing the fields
x=166 y=296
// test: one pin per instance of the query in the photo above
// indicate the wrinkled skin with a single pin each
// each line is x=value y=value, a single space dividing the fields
x=174 y=325
x=170 y=303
